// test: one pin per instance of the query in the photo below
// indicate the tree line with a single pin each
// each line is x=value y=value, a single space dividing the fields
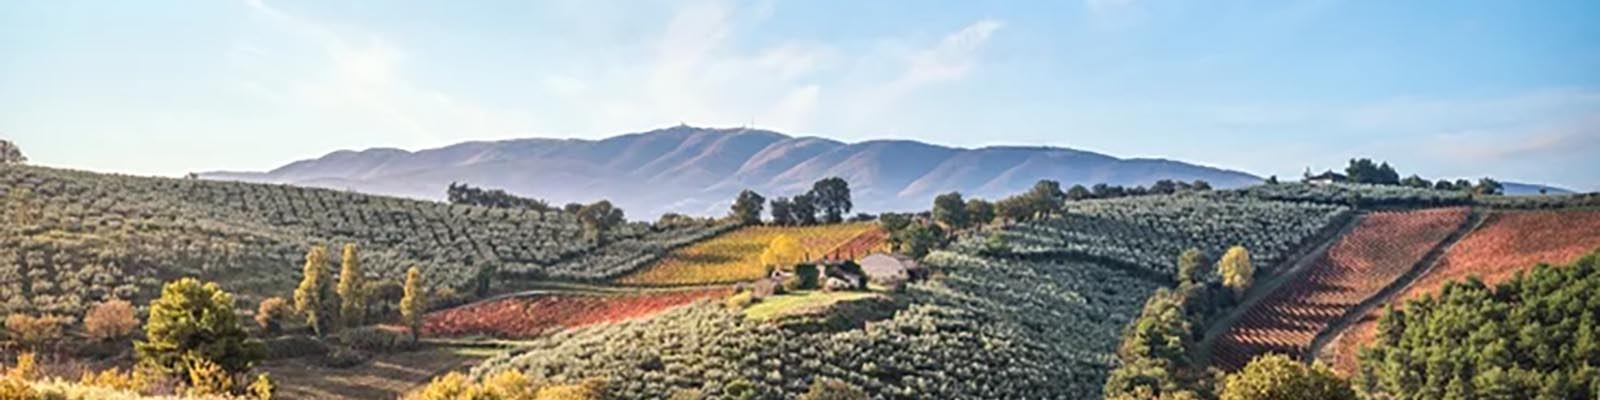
x=827 y=202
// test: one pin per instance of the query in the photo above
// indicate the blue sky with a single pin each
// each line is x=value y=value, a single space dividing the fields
x=1440 y=88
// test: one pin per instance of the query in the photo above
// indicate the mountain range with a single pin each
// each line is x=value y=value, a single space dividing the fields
x=698 y=171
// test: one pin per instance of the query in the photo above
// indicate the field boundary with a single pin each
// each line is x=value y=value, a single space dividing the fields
x=1299 y=264
x=1475 y=218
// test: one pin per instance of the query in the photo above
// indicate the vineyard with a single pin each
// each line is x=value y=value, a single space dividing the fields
x=1383 y=246
x=735 y=256
x=1147 y=232
x=1507 y=243
x=73 y=237
x=526 y=317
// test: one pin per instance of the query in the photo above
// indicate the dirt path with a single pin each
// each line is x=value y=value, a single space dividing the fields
x=1339 y=326
x=1298 y=265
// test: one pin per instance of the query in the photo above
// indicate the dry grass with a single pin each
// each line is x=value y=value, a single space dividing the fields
x=386 y=376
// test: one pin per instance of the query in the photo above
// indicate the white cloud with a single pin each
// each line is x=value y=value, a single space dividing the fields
x=357 y=80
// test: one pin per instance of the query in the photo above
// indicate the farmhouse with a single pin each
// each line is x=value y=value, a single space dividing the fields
x=891 y=269
x=1326 y=177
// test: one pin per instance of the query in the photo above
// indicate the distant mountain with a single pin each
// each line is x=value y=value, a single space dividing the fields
x=699 y=170
x=1524 y=189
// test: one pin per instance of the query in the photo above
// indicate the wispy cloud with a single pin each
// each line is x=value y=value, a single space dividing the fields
x=359 y=76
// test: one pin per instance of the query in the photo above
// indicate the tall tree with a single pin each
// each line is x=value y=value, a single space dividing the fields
x=783 y=211
x=1189 y=263
x=11 y=154
x=600 y=217
x=1488 y=186
x=1237 y=271
x=804 y=209
x=413 y=302
x=315 y=292
x=352 y=285
x=1078 y=192
x=191 y=321
x=832 y=198
x=747 y=207
x=979 y=211
x=1047 y=197
x=949 y=209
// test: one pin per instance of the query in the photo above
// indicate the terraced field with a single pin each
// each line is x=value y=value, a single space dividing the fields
x=526 y=317
x=1383 y=246
x=1505 y=244
x=735 y=256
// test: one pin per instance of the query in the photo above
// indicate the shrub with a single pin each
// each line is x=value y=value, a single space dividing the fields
x=809 y=276
x=1276 y=376
x=113 y=379
x=207 y=378
x=110 y=320
x=263 y=387
x=591 y=389
x=272 y=313
x=27 y=367
x=34 y=331
x=741 y=300
x=191 y=322
x=16 y=389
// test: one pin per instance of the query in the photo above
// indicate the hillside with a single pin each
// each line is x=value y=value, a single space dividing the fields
x=697 y=170
x=71 y=238
x=1037 y=317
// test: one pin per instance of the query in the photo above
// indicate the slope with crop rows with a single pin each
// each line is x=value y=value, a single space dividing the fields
x=1383 y=247
x=1505 y=244
x=70 y=238
x=1005 y=318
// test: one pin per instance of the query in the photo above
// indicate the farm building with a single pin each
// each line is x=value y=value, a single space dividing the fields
x=1326 y=177
x=891 y=269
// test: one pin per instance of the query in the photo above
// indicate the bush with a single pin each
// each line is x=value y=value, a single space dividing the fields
x=808 y=275
x=194 y=322
x=32 y=332
x=741 y=300
x=16 y=389
x=1276 y=376
x=110 y=320
x=113 y=379
x=207 y=378
x=344 y=357
x=272 y=313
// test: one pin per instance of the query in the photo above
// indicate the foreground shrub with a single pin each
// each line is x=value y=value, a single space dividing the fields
x=1277 y=376
x=192 y=322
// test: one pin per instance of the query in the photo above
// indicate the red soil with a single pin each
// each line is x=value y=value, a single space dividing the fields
x=1506 y=243
x=1382 y=248
x=525 y=317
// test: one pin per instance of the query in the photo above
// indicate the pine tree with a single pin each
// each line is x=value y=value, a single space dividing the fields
x=411 y=304
x=315 y=291
x=194 y=321
x=352 y=299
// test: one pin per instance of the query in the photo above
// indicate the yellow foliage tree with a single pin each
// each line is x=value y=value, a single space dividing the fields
x=1237 y=272
x=413 y=302
x=312 y=296
x=783 y=252
x=352 y=299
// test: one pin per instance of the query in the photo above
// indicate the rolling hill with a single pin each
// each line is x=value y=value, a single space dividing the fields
x=697 y=170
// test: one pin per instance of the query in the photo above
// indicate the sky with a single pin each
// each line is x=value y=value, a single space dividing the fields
x=1438 y=88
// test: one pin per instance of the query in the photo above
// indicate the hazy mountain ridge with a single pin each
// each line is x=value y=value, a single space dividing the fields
x=698 y=170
